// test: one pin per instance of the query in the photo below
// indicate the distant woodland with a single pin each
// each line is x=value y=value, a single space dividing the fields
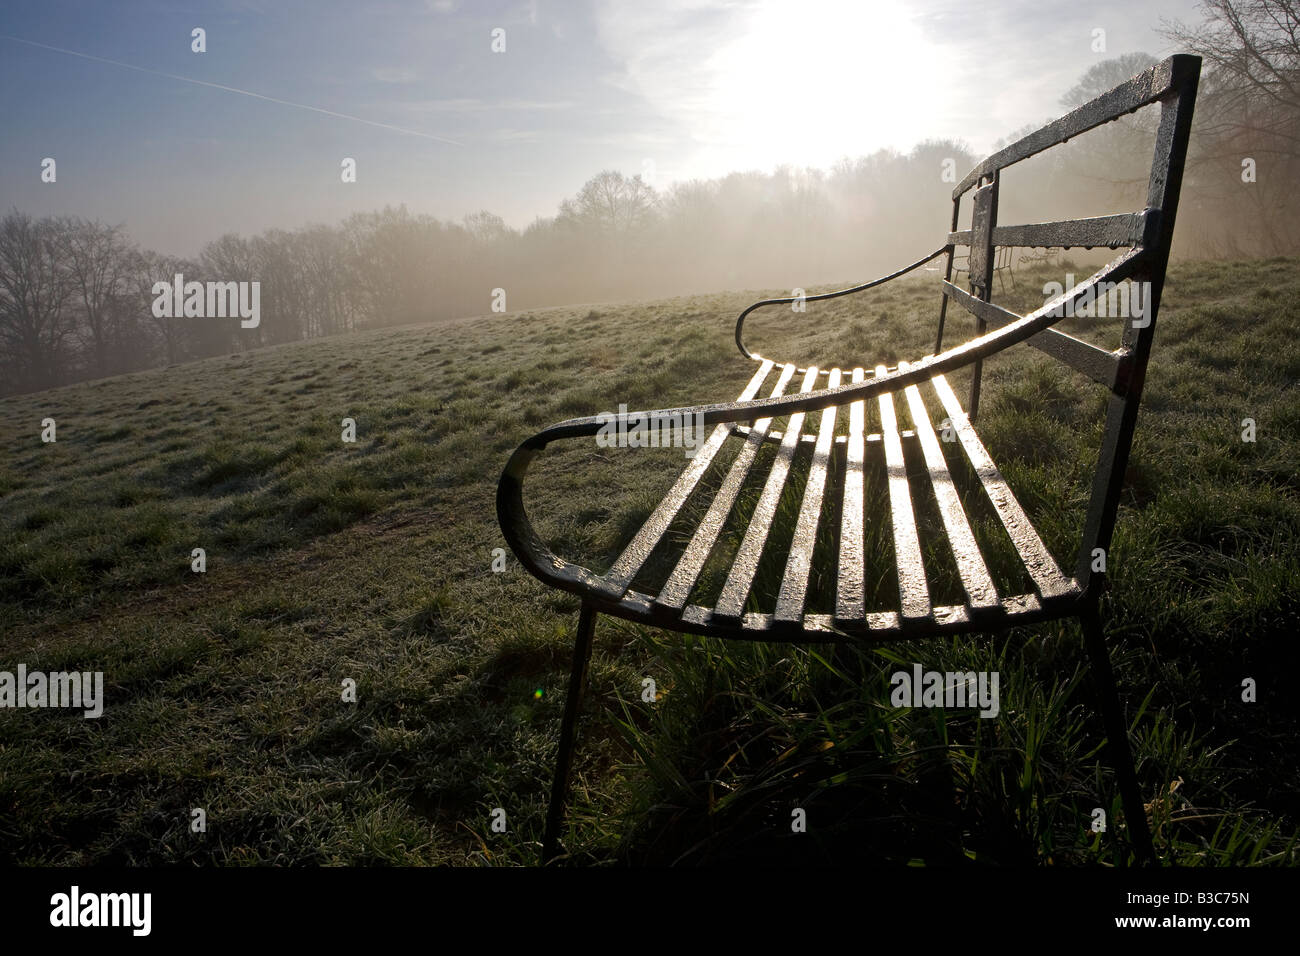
x=76 y=296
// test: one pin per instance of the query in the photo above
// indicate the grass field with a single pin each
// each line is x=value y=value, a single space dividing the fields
x=372 y=561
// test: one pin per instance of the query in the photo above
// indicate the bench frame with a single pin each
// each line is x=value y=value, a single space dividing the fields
x=1146 y=236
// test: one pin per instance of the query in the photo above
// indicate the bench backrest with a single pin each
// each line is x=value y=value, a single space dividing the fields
x=1146 y=234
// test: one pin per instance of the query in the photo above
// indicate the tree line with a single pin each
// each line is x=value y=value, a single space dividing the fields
x=76 y=296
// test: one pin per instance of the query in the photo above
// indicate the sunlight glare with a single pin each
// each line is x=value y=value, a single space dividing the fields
x=810 y=82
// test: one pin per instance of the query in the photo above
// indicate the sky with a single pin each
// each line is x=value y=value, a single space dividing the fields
x=251 y=134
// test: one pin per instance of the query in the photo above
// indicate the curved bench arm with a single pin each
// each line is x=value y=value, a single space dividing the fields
x=927 y=368
x=535 y=555
x=543 y=563
x=740 y=322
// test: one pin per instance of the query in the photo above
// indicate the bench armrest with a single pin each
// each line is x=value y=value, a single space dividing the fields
x=740 y=322
x=977 y=349
x=548 y=566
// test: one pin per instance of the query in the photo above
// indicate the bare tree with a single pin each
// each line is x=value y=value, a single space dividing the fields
x=232 y=258
x=1252 y=49
x=97 y=258
x=487 y=228
x=35 y=287
x=1248 y=115
x=328 y=281
x=611 y=204
x=146 y=269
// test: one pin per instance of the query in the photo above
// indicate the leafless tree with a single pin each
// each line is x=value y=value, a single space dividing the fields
x=146 y=269
x=611 y=205
x=98 y=259
x=1248 y=114
x=35 y=289
x=1252 y=50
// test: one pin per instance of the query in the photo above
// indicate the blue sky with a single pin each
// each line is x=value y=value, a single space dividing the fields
x=674 y=90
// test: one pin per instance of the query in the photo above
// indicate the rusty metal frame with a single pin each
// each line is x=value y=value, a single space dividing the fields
x=1145 y=237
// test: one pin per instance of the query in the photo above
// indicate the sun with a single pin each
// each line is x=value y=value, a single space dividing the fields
x=810 y=82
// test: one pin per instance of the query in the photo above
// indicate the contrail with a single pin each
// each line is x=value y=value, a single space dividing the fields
x=231 y=89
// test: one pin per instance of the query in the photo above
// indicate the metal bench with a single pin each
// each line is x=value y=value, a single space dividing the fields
x=889 y=394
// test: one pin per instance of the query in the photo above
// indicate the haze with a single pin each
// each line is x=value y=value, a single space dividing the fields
x=672 y=91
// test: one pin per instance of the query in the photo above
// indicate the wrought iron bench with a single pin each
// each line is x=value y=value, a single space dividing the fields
x=1144 y=238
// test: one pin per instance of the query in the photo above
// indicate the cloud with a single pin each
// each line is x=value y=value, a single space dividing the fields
x=751 y=84
x=755 y=84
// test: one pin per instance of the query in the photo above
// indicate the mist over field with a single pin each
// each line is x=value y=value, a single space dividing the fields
x=78 y=296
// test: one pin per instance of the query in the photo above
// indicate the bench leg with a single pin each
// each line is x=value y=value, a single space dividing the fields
x=568 y=731
x=1117 y=738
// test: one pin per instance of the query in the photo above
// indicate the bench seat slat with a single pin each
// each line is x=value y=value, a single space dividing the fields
x=731 y=602
x=970 y=564
x=618 y=578
x=1038 y=561
x=674 y=594
x=850 y=599
x=914 y=592
x=794 y=583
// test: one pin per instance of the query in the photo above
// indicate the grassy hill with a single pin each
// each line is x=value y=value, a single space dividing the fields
x=371 y=561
